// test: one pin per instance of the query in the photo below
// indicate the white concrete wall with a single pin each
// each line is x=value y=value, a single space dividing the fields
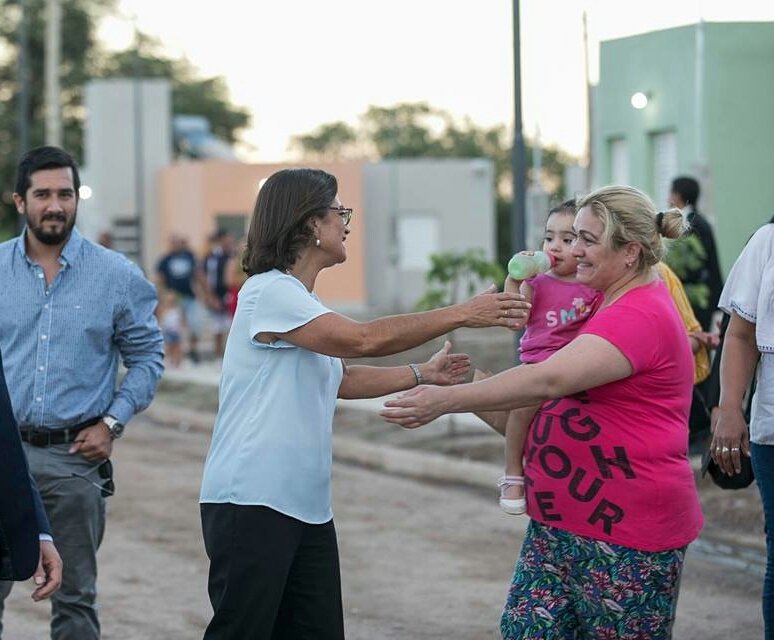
x=127 y=139
x=422 y=206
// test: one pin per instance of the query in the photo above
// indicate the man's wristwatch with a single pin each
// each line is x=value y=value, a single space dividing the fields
x=115 y=427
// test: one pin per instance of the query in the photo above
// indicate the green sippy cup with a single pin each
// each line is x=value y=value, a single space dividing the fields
x=526 y=264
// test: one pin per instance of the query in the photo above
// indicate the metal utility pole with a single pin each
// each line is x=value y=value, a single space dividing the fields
x=518 y=158
x=589 y=105
x=139 y=160
x=22 y=76
x=518 y=154
x=53 y=55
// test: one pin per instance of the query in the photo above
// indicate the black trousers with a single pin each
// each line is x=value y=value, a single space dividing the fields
x=271 y=576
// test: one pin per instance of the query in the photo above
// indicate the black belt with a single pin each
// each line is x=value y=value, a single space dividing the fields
x=47 y=437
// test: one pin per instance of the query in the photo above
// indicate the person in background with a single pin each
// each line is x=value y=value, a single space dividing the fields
x=748 y=344
x=610 y=492
x=712 y=387
x=265 y=498
x=105 y=239
x=235 y=278
x=172 y=322
x=70 y=311
x=177 y=271
x=702 y=343
x=684 y=195
x=217 y=287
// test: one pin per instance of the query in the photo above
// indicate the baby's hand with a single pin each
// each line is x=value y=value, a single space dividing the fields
x=511 y=285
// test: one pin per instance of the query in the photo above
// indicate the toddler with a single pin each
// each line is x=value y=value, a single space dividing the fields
x=560 y=306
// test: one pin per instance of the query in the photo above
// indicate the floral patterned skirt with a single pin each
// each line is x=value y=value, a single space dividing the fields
x=568 y=587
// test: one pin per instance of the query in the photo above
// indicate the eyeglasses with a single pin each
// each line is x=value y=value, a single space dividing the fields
x=344 y=212
x=105 y=471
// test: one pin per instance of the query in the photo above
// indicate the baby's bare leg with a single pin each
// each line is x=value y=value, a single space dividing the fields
x=516 y=429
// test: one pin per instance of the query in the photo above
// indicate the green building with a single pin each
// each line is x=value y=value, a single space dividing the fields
x=705 y=108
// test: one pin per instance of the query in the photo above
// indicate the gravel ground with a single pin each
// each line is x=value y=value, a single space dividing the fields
x=420 y=561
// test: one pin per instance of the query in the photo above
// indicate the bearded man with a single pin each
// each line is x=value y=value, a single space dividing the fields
x=70 y=309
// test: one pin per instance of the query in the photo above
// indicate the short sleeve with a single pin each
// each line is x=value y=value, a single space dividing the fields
x=744 y=285
x=281 y=305
x=623 y=326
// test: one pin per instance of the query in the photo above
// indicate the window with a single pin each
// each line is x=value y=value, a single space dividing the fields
x=418 y=238
x=619 y=161
x=234 y=223
x=663 y=149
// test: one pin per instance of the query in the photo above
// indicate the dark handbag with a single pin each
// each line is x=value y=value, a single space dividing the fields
x=738 y=481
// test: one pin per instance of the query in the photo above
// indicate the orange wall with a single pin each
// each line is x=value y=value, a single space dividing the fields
x=192 y=194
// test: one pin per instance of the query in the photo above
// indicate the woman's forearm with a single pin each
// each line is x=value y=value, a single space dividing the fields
x=585 y=363
x=372 y=382
x=738 y=361
x=511 y=389
x=394 y=334
x=338 y=336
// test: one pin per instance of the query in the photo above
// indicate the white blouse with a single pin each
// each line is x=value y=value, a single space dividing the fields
x=271 y=444
x=749 y=292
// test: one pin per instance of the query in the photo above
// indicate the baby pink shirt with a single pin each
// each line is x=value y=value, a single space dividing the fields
x=611 y=463
x=559 y=309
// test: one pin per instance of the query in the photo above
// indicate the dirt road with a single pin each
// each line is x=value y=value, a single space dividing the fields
x=419 y=561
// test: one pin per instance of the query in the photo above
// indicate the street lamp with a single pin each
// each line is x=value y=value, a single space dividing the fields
x=639 y=100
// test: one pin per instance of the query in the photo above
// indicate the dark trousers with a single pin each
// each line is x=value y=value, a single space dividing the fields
x=763 y=466
x=271 y=576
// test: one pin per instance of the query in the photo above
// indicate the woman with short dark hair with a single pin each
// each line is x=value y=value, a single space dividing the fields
x=265 y=497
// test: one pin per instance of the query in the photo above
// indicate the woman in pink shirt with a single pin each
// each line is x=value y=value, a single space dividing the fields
x=610 y=491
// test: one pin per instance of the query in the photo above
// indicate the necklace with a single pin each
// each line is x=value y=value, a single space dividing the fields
x=619 y=291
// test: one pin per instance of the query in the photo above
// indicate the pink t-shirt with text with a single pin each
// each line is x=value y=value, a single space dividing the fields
x=611 y=463
x=559 y=309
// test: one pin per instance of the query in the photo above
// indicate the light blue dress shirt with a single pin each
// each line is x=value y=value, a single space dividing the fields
x=271 y=444
x=61 y=343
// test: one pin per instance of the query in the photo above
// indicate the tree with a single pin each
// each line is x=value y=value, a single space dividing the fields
x=687 y=255
x=83 y=59
x=418 y=130
x=454 y=272
x=191 y=95
x=79 y=18
x=327 y=142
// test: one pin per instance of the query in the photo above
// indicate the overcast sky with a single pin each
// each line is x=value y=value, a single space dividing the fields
x=296 y=64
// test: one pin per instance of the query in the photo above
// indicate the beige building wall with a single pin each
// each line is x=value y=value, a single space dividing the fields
x=193 y=194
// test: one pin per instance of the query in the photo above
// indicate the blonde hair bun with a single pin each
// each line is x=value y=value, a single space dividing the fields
x=671 y=223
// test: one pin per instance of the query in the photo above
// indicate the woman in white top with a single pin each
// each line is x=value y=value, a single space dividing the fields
x=748 y=297
x=265 y=497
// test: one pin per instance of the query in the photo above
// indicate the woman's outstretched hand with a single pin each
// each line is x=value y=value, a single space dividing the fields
x=446 y=368
x=493 y=309
x=415 y=407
